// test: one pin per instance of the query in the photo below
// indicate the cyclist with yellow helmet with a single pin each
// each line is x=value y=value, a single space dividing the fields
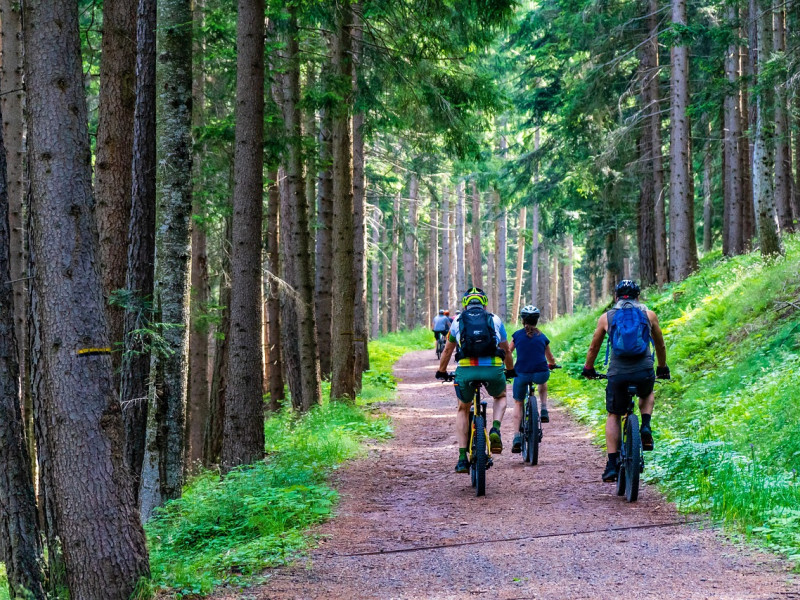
x=479 y=339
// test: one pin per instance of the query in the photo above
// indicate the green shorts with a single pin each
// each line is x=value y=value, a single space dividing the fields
x=494 y=376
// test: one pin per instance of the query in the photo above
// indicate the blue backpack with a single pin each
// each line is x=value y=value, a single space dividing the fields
x=628 y=332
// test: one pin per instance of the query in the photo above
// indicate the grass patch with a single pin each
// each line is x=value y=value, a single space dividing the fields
x=727 y=426
x=227 y=531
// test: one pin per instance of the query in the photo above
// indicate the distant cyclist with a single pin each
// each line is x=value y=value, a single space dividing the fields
x=534 y=363
x=631 y=329
x=482 y=352
x=441 y=325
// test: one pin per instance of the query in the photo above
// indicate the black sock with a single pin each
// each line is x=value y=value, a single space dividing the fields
x=613 y=457
x=646 y=420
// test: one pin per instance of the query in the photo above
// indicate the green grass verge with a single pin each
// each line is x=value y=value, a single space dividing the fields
x=3 y=583
x=727 y=426
x=227 y=531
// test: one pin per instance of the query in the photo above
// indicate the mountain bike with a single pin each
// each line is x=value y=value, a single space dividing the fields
x=478 y=450
x=631 y=456
x=440 y=346
x=531 y=427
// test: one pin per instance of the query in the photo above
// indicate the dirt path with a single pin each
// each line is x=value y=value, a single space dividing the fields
x=409 y=527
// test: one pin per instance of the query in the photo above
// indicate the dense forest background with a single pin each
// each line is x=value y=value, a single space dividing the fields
x=208 y=208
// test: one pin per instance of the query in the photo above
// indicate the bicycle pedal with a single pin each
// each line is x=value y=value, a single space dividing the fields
x=489 y=463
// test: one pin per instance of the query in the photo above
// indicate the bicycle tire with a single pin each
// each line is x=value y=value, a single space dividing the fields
x=633 y=451
x=481 y=458
x=621 y=479
x=532 y=433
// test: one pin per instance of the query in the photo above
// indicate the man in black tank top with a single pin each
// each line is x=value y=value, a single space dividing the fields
x=624 y=371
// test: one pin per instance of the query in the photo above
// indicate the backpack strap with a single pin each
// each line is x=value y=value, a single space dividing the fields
x=609 y=316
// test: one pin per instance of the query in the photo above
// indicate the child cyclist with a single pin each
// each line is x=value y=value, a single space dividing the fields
x=534 y=363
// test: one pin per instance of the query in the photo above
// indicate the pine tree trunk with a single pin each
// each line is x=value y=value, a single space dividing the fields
x=11 y=101
x=385 y=276
x=535 y=258
x=555 y=277
x=20 y=546
x=451 y=243
x=243 y=437
x=461 y=279
x=783 y=157
x=215 y=424
x=646 y=216
x=763 y=156
x=435 y=298
x=502 y=259
x=447 y=268
x=141 y=246
x=682 y=243
x=796 y=195
x=749 y=224
x=112 y=187
x=197 y=413
x=733 y=242
x=394 y=306
x=324 y=247
x=543 y=291
x=304 y=384
x=515 y=303
x=103 y=541
x=410 y=255
x=567 y=275
x=276 y=385
x=342 y=338
x=708 y=207
x=360 y=338
x=477 y=268
x=311 y=136
x=377 y=315
x=162 y=472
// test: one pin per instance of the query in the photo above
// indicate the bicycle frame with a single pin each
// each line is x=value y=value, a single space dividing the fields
x=478 y=408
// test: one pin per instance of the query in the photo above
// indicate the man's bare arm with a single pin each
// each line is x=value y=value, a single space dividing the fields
x=597 y=341
x=449 y=347
x=658 y=339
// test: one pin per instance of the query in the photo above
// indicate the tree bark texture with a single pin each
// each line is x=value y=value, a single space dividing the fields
x=394 y=305
x=376 y=281
x=385 y=300
x=103 y=542
x=763 y=153
x=518 y=274
x=360 y=335
x=215 y=424
x=477 y=271
x=112 y=184
x=501 y=256
x=461 y=279
x=646 y=217
x=544 y=282
x=535 y=258
x=783 y=155
x=555 y=277
x=243 y=437
x=141 y=245
x=682 y=243
x=751 y=72
x=20 y=546
x=324 y=246
x=305 y=387
x=733 y=243
x=11 y=101
x=162 y=470
x=197 y=412
x=708 y=207
x=447 y=268
x=410 y=254
x=567 y=275
x=276 y=385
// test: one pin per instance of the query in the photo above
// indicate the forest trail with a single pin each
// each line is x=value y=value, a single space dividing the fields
x=553 y=531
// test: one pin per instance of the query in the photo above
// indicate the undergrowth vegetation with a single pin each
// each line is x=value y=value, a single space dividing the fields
x=727 y=427
x=228 y=530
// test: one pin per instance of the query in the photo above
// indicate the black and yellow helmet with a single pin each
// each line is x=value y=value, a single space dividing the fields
x=474 y=296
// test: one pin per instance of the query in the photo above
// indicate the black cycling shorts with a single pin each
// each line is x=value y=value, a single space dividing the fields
x=617 y=389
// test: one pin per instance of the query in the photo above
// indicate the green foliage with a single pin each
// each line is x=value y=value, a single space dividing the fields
x=228 y=530
x=3 y=583
x=728 y=436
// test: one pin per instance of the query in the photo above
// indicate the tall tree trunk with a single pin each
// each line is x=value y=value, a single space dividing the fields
x=385 y=300
x=763 y=157
x=342 y=342
x=535 y=258
x=544 y=281
x=162 y=472
x=733 y=241
x=555 y=276
x=451 y=243
x=141 y=246
x=796 y=195
x=104 y=544
x=197 y=413
x=375 y=283
x=501 y=257
x=708 y=206
x=749 y=224
x=276 y=385
x=324 y=247
x=20 y=546
x=311 y=136
x=783 y=156
x=518 y=274
x=654 y=125
x=360 y=335
x=215 y=424
x=394 y=306
x=682 y=243
x=461 y=279
x=112 y=186
x=477 y=268
x=243 y=437
x=648 y=70
x=410 y=255
x=491 y=279
x=11 y=100
x=447 y=268
x=567 y=275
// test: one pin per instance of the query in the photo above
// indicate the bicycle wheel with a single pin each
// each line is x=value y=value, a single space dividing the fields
x=532 y=430
x=633 y=456
x=480 y=460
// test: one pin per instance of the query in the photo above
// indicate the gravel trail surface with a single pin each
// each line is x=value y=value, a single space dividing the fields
x=409 y=527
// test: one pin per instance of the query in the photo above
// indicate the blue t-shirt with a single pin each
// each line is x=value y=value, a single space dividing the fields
x=530 y=352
